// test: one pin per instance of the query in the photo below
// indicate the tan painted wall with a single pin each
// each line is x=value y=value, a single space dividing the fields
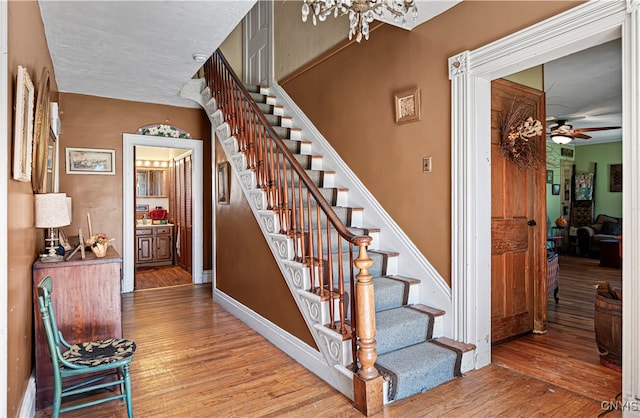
x=232 y=49
x=246 y=269
x=297 y=42
x=95 y=122
x=350 y=99
x=27 y=47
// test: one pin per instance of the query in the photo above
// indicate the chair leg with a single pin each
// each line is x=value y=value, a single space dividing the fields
x=57 y=396
x=127 y=389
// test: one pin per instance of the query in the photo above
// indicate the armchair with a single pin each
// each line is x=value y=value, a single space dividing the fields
x=605 y=228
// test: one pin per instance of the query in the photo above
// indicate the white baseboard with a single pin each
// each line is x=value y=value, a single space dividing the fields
x=207 y=276
x=297 y=349
x=28 y=407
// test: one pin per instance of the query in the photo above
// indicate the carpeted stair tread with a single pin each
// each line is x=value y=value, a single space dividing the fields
x=388 y=293
x=418 y=368
x=401 y=327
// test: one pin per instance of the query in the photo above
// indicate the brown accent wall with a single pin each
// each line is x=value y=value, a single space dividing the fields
x=245 y=267
x=27 y=47
x=349 y=97
x=96 y=122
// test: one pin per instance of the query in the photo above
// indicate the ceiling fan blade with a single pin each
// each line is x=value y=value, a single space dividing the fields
x=603 y=128
x=579 y=135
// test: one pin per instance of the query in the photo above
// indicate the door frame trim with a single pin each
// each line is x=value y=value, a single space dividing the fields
x=471 y=72
x=129 y=142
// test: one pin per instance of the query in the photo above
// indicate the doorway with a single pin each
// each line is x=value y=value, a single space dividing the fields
x=130 y=141
x=471 y=73
x=162 y=244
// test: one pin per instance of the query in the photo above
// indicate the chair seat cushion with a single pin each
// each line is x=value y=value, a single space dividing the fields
x=96 y=353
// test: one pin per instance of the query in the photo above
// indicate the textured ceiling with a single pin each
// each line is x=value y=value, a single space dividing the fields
x=135 y=50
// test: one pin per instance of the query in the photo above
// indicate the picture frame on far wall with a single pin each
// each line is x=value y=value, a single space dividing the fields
x=407 y=104
x=615 y=178
x=23 y=126
x=555 y=189
x=90 y=161
x=566 y=152
x=549 y=176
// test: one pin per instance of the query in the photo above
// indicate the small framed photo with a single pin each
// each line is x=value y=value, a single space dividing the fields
x=555 y=189
x=91 y=161
x=223 y=183
x=615 y=178
x=566 y=152
x=142 y=208
x=549 y=176
x=408 y=105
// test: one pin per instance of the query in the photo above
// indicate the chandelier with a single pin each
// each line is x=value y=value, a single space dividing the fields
x=361 y=12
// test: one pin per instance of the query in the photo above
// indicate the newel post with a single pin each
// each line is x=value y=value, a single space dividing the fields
x=367 y=383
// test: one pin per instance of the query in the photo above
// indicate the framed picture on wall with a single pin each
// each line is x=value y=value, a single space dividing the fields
x=407 y=103
x=23 y=126
x=615 y=178
x=91 y=161
x=223 y=181
x=555 y=189
x=549 y=176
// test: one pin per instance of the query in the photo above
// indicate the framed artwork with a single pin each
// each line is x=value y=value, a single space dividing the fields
x=91 y=161
x=555 y=189
x=566 y=152
x=41 y=133
x=408 y=105
x=223 y=183
x=615 y=178
x=142 y=208
x=23 y=127
x=549 y=176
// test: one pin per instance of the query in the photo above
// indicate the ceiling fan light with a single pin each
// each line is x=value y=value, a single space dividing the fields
x=561 y=139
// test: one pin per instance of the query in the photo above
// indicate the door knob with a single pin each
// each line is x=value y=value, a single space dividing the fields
x=532 y=222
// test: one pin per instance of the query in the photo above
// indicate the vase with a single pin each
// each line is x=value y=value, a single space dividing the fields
x=100 y=250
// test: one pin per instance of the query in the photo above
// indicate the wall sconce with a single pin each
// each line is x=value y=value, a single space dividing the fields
x=53 y=210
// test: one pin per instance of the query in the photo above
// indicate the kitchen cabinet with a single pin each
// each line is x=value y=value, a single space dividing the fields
x=154 y=245
x=86 y=300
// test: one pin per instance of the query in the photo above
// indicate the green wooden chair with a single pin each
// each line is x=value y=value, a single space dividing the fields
x=107 y=361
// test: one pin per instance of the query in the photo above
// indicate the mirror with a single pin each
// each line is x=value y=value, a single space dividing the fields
x=150 y=182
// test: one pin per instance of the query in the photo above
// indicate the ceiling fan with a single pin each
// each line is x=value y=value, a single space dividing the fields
x=562 y=133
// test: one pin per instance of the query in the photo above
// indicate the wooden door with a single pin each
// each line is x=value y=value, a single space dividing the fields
x=518 y=225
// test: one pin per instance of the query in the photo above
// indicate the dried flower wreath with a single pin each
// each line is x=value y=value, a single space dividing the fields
x=517 y=133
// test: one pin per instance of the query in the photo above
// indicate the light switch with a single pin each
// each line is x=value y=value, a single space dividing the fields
x=426 y=165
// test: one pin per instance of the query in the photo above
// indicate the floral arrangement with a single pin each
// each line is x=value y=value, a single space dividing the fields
x=164 y=130
x=99 y=243
x=99 y=239
x=518 y=131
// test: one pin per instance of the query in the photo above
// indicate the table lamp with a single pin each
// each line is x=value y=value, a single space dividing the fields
x=53 y=210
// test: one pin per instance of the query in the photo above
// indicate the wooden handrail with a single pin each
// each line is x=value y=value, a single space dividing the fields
x=286 y=186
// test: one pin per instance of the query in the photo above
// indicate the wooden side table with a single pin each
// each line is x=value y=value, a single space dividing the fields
x=87 y=302
x=610 y=253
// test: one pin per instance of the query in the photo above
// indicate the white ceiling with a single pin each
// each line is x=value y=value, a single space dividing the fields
x=585 y=88
x=143 y=51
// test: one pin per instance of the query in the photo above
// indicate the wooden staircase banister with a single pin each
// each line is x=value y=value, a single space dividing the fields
x=289 y=192
x=326 y=208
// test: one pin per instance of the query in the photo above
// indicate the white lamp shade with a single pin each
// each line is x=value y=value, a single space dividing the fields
x=53 y=210
x=561 y=139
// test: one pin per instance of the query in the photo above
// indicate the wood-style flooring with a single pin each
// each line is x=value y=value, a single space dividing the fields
x=165 y=276
x=194 y=359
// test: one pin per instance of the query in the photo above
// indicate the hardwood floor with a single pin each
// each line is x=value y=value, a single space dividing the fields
x=154 y=277
x=194 y=359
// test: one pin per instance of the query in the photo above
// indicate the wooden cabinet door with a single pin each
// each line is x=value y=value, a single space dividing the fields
x=145 y=248
x=518 y=225
x=164 y=247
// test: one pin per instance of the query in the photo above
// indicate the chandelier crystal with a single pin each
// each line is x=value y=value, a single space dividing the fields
x=361 y=12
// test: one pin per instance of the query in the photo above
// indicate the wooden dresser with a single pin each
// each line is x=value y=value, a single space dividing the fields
x=87 y=302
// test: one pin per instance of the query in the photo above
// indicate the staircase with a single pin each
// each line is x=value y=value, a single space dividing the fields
x=316 y=257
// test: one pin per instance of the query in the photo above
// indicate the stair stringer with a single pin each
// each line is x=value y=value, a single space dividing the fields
x=433 y=289
x=335 y=352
